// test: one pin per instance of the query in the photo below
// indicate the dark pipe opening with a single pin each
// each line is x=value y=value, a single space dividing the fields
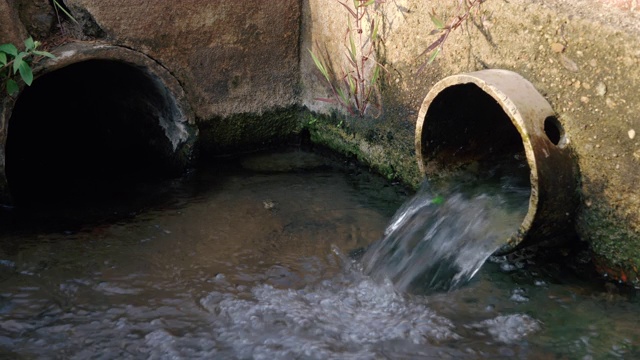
x=89 y=130
x=465 y=126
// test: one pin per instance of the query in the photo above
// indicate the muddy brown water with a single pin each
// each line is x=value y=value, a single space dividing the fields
x=250 y=260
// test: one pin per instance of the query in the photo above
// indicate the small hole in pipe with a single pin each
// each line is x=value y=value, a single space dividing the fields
x=553 y=130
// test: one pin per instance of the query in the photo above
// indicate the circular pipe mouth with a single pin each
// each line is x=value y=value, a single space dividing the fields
x=94 y=125
x=495 y=118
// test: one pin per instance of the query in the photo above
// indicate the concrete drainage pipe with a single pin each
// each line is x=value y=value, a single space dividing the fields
x=96 y=115
x=478 y=116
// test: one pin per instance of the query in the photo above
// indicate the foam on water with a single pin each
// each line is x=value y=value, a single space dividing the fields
x=440 y=238
x=349 y=316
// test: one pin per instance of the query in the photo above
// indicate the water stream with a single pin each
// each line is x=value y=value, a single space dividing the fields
x=251 y=260
x=441 y=237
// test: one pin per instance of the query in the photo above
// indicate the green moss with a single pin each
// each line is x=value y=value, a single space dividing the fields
x=375 y=143
x=248 y=131
x=615 y=249
x=369 y=142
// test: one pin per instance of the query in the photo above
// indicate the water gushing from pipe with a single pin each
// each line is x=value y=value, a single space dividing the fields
x=441 y=237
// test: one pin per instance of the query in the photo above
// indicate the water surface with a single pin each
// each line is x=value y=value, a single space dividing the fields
x=251 y=260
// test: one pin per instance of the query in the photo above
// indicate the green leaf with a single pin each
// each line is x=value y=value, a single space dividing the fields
x=437 y=22
x=352 y=52
x=437 y=200
x=26 y=73
x=345 y=98
x=29 y=43
x=61 y=8
x=12 y=87
x=368 y=3
x=374 y=32
x=376 y=73
x=320 y=66
x=433 y=56
x=352 y=84
x=3 y=58
x=9 y=49
x=44 y=53
x=18 y=61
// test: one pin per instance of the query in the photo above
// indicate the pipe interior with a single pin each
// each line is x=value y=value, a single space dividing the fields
x=89 y=129
x=466 y=128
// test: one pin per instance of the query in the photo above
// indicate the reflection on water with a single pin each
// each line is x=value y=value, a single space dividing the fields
x=249 y=263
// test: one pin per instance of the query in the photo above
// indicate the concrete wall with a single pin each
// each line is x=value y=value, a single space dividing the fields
x=12 y=30
x=230 y=57
x=583 y=56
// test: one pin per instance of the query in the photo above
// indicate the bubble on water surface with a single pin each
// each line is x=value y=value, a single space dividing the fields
x=337 y=318
x=509 y=328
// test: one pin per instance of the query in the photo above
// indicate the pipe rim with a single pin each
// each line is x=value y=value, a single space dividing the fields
x=482 y=79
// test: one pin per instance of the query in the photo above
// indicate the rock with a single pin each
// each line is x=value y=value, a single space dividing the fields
x=269 y=204
x=568 y=63
x=632 y=134
x=610 y=103
x=557 y=47
x=601 y=89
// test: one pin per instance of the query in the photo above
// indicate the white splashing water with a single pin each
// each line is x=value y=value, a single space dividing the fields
x=437 y=242
x=350 y=316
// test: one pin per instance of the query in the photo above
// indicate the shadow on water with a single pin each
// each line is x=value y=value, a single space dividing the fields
x=84 y=207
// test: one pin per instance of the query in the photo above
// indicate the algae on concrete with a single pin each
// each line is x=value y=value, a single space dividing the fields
x=245 y=132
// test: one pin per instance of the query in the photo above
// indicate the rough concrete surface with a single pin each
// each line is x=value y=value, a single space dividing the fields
x=38 y=16
x=11 y=30
x=583 y=56
x=229 y=56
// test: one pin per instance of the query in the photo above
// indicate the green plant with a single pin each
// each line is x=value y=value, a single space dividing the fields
x=13 y=62
x=444 y=29
x=356 y=87
x=61 y=8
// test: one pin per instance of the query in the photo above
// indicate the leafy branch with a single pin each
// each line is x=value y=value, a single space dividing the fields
x=356 y=88
x=13 y=62
x=445 y=30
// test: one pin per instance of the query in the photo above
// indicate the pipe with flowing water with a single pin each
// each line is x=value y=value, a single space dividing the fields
x=499 y=176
